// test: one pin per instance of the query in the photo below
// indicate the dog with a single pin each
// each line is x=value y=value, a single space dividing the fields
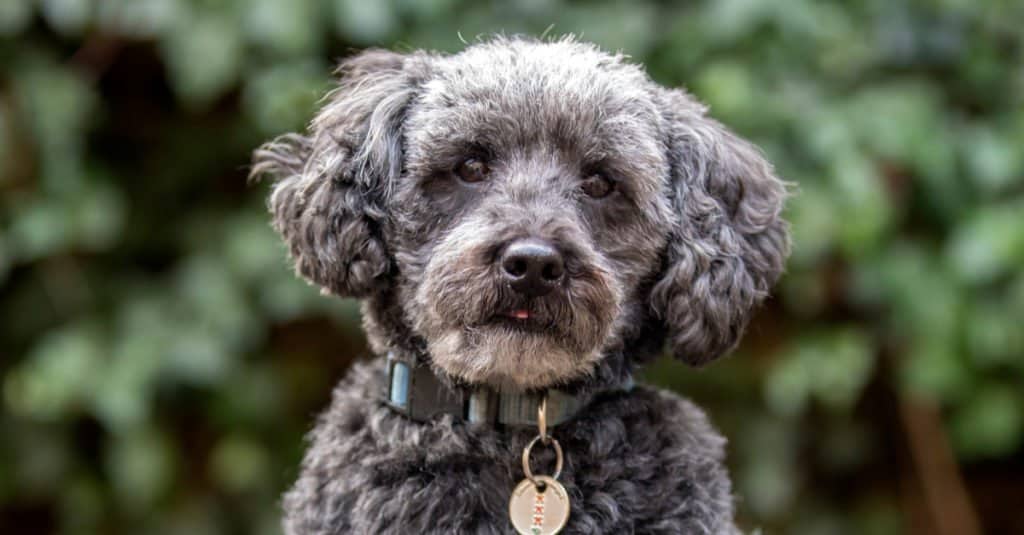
x=525 y=223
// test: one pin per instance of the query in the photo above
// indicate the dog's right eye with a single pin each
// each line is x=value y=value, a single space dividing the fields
x=597 y=186
x=472 y=170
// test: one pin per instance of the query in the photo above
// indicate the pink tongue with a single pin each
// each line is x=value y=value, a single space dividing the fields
x=521 y=314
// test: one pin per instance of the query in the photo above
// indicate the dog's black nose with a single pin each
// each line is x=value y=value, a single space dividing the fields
x=532 y=266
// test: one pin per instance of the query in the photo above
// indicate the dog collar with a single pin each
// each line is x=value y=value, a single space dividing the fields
x=414 y=391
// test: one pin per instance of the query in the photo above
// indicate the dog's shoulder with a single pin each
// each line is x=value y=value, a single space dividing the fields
x=657 y=458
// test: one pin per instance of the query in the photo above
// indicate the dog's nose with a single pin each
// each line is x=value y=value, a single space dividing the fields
x=533 y=267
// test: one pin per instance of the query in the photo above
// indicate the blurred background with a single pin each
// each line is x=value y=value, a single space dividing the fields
x=159 y=362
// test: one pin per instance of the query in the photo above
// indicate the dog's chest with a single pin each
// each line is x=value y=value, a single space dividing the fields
x=640 y=461
x=461 y=482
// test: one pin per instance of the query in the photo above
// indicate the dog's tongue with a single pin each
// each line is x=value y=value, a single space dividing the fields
x=521 y=314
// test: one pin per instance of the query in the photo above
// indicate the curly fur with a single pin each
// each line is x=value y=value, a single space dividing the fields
x=643 y=462
x=682 y=252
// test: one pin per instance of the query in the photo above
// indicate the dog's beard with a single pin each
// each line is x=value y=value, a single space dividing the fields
x=506 y=359
x=466 y=317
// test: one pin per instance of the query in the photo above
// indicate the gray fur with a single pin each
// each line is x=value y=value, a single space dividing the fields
x=684 y=250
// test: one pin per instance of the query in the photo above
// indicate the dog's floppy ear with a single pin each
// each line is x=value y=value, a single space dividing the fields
x=331 y=184
x=728 y=242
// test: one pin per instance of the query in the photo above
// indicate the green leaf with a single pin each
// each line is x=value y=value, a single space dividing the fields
x=58 y=107
x=933 y=367
x=82 y=503
x=994 y=335
x=40 y=228
x=365 y=22
x=97 y=216
x=734 y=19
x=615 y=26
x=814 y=227
x=788 y=386
x=990 y=423
x=139 y=19
x=68 y=17
x=429 y=10
x=728 y=88
x=994 y=159
x=283 y=98
x=15 y=16
x=833 y=367
x=988 y=244
x=768 y=475
x=141 y=467
x=239 y=464
x=286 y=27
x=58 y=374
x=923 y=298
x=204 y=56
x=864 y=204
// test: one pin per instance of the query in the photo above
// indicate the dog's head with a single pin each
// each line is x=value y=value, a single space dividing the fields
x=529 y=207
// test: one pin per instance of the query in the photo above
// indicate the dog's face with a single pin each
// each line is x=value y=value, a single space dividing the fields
x=532 y=205
x=529 y=204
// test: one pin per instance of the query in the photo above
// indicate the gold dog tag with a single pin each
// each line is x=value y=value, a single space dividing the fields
x=536 y=512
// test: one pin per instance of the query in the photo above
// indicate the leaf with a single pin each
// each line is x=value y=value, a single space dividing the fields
x=286 y=27
x=728 y=88
x=813 y=224
x=57 y=375
x=994 y=336
x=994 y=159
x=139 y=19
x=40 y=228
x=933 y=367
x=832 y=366
x=923 y=299
x=141 y=467
x=365 y=22
x=204 y=55
x=97 y=216
x=988 y=244
x=734 y=19
x=864 y=204
x=283 y=98
x=68 y=17
x=429 y=10
x=15 y=16
x=615 y=26
x=990 y=423
x=769 y=473
x=58 y=107
x=239 y=464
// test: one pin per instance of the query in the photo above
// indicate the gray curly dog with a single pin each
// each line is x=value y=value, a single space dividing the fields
x=523 y=218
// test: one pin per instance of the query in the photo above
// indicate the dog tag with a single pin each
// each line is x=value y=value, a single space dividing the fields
x=539 y=512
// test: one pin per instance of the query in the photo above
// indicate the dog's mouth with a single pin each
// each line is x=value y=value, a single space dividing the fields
x=521 y=319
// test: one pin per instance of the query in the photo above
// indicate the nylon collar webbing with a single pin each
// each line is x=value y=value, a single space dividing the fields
x=414 y=391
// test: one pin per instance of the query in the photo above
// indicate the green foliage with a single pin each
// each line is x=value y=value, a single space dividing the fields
x=161 y=362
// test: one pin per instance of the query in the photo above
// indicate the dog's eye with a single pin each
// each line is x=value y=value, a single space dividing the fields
x=597 y=186
x=472 y=170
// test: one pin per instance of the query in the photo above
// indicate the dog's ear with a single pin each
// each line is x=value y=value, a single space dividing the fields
x=728 y=242
x=331 y=184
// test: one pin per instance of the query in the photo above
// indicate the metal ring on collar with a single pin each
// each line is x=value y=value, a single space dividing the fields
x=526 y=458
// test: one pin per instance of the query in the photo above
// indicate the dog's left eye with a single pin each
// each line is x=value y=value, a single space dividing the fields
x=597 y=186
x=472 y=170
